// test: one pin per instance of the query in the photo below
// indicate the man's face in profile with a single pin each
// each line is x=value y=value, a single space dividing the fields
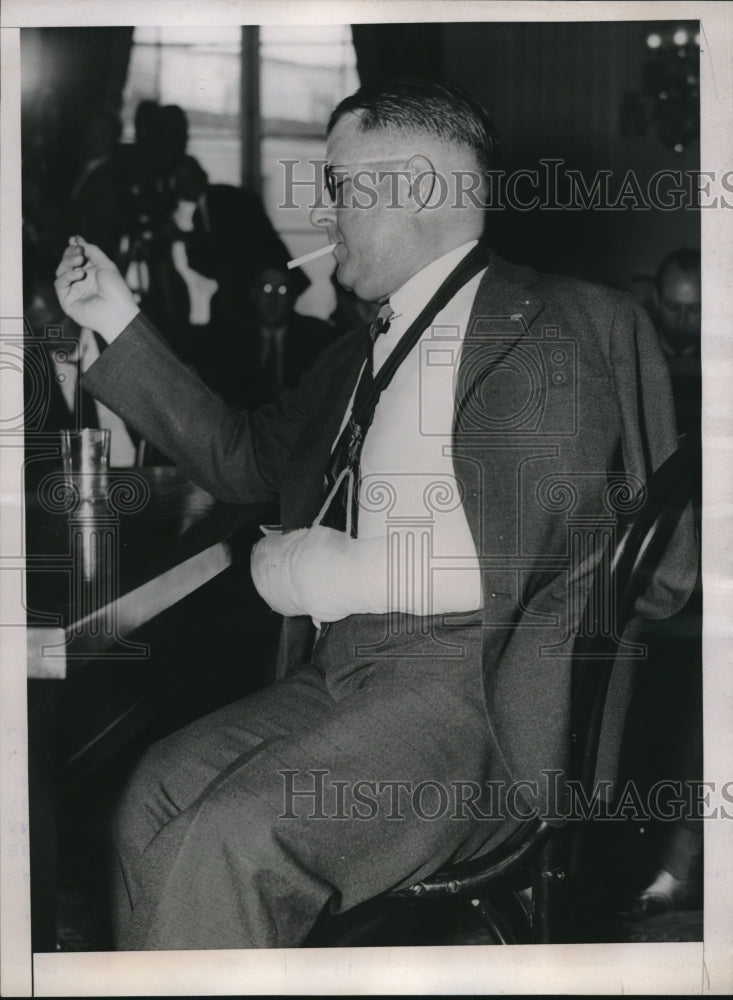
x=679 y=307
x=367 y=222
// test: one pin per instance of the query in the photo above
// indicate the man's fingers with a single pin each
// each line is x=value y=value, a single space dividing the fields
x=94 y=254
x=67 y=265
x=72 y=257
x=74 y=250
x=70 y=268
x=79 y=252
x=70 y=276
x=63 y=279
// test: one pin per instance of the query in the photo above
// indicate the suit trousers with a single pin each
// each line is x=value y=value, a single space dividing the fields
x=363 y=771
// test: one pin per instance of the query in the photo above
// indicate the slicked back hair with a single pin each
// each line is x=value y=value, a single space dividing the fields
x=424 y=107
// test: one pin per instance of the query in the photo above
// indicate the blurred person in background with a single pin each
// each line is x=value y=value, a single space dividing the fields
x=668 y=731
x=673 y=299
x=274 y=346
x=100 y=198
x=678 y=302
x=201 y=263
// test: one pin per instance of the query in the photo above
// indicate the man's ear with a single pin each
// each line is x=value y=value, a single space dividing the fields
x=425 y=184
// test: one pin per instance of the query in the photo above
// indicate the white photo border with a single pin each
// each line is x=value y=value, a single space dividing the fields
x=586 y=969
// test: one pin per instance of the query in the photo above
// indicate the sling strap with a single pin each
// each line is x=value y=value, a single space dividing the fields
x=340 y=508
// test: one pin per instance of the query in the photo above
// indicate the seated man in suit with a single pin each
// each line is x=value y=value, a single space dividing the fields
x=425 y=566
x=273 y=347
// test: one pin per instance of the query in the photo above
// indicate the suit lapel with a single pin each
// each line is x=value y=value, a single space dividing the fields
x=502 y=312
x=506 y=303
x=505 y=306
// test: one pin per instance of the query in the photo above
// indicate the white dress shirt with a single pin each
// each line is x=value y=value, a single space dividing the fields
x=407 y=453
x=414 y=552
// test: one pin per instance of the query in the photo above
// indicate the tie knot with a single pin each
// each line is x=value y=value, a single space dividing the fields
x=382 y=321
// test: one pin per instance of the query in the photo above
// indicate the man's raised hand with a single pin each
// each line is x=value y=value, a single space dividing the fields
x=92 y=291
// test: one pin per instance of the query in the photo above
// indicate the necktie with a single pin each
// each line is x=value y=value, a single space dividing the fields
x=342 y=476
x=270 y=368
x=343 y=472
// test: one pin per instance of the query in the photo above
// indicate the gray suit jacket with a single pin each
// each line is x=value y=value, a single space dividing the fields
x=563 y=410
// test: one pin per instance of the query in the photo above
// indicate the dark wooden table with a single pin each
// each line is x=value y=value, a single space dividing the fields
x=97 y=575
x=96 y=572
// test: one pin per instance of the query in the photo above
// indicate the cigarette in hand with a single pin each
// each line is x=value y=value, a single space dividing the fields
x=310 y=256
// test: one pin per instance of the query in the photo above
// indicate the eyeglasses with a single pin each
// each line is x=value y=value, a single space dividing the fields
x=271 y=289
x=333 y=183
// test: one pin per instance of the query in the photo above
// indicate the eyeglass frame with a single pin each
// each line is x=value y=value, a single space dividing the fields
x=329 y=179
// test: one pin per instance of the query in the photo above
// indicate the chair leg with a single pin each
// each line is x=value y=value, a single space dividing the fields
x=551 y=894
x=505 y=918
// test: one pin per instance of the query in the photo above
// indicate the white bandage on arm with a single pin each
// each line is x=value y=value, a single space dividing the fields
x=326 y=575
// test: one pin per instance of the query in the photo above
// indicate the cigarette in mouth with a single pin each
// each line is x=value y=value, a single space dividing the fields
x=310 y=256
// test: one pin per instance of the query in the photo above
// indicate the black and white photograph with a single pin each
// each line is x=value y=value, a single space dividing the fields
x=365 y=464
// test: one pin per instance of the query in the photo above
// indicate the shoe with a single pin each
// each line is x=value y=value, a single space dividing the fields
x=665 y=894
